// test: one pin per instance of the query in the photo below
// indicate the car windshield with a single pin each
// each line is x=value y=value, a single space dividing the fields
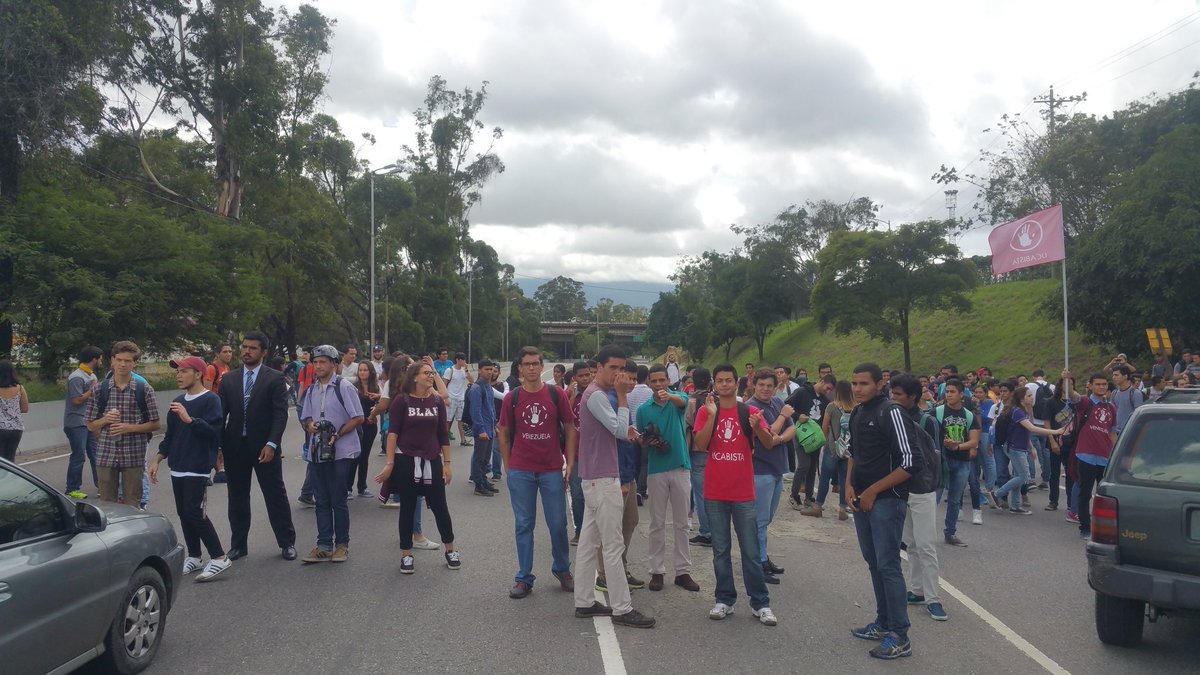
x=1162 y=449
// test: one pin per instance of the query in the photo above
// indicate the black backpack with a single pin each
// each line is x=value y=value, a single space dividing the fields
x=1000 y=429
x=1041 y=402
x=930 y=477
x=466 y=413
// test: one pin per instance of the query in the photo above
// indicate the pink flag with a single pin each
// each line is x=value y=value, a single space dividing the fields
x=1034 y=240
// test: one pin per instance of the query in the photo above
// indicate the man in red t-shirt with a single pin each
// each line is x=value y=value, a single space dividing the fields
x=729 y=491
x=212 y=380
x=533 y=417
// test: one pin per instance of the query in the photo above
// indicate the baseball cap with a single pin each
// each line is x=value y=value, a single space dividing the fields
x=192 y=362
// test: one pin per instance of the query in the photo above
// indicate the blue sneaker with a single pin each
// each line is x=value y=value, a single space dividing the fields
x=914 y=599
x=892 y=648
x=936 y=612
x=871 y=631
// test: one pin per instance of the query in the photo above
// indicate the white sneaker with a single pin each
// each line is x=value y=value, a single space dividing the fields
x=787 y=477
x=765 y=616
x=720 y=611
x=427 y=544
x=192 y=565
x=214 y=568
x=977 y=517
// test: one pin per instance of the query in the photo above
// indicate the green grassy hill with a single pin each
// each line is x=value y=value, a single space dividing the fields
x=1004 y=330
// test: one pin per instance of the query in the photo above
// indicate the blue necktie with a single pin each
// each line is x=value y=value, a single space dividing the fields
x=246 y=398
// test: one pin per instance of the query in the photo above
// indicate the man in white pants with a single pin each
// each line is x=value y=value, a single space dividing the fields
x=660 y=422
x=920 y=524
x=599 y=427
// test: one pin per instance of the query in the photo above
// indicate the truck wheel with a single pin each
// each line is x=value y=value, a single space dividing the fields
x=1119 y=621
x=137 y=629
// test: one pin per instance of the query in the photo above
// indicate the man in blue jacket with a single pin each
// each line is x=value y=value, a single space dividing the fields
x=483 y=426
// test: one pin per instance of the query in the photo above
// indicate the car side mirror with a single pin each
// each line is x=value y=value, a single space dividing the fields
x=88 y=518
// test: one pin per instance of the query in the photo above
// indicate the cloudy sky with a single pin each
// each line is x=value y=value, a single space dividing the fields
x=637 y=131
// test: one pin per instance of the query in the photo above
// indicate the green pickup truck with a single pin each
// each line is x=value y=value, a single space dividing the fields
x=1144 y=552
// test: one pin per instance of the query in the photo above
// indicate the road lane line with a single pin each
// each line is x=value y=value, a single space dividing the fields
x=44 y=459
x=1000 y=627
x=606 y=634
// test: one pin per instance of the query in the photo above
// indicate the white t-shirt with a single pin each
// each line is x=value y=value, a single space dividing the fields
x=456 y=379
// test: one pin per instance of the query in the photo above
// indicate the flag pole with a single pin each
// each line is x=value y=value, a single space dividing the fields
x=1066 y=348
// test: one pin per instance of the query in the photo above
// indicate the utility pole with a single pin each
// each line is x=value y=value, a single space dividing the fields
x=1052 y=102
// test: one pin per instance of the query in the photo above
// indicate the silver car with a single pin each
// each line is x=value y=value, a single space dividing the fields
x=78 y=581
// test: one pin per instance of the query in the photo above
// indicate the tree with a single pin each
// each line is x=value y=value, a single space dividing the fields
x=235 y=74
x=761 y=300
x=561 y=299
x=802 y=232
x=1135 y=270
x=872 y=281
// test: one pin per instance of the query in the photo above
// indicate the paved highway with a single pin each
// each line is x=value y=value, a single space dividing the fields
x=1020 y=603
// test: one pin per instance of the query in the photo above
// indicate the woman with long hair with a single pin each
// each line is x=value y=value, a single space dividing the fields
x=836 y=459
x=1018 y=419
x=418 y=459
x=14 y=402
x=367 y=386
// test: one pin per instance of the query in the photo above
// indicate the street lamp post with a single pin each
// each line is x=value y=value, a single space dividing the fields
x=388 y=170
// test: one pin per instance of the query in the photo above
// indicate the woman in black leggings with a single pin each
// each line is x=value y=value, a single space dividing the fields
x=418 y=459
x=368 y=395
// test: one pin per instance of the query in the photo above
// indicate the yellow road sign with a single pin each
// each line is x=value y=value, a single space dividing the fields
x=1160 y=340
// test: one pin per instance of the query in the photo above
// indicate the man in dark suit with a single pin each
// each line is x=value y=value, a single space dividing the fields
x=255 y=401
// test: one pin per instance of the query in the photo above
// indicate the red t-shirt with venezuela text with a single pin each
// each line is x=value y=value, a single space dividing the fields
x=729 y=474
x=535 y=441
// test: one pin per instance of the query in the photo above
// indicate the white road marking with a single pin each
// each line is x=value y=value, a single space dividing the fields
x=1000 y=627
x=45 y=459
x=606 y=635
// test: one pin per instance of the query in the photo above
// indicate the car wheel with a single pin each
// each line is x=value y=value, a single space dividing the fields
x=1119 y=621
x=138 y=627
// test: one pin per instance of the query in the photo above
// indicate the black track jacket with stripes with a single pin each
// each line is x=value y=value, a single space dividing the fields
x=882 y=439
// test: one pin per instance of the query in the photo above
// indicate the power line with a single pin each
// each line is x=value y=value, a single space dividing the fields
x=1172 y=53
x=1135 y=47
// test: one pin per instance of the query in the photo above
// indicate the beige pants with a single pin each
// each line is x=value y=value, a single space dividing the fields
x=669 y=488
x=599 y=537
x=629 y=523
x=130 y=478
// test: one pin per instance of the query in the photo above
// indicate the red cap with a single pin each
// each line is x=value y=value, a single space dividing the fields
x=193 y=362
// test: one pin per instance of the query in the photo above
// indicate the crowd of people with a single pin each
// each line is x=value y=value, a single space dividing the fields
x=707 y=450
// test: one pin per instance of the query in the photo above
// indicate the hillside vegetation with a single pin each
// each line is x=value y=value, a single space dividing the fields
x=1005 y=330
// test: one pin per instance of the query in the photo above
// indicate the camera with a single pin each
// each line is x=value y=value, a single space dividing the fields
x=653 y=438
x=322 y=439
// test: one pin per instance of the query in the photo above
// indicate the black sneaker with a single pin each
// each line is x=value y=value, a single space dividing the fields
x=1052 y=507
x=601 y=585
x=701 y=540
x=769 y=576
x=453 y=560
x=596 y=609
x=775 y=569
x=492 y=487
x=307 y=502
x=633 y=582
x=481 y=491
x=955 y=541
x=406 y=565
x=633 y=619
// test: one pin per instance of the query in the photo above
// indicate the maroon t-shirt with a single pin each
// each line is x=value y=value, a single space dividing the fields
x=535 y=441
x=419 y=425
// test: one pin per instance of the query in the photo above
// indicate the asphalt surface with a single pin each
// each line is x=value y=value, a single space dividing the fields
x=267 y=615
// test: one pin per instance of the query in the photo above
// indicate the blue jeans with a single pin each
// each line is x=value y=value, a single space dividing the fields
x=767 y=489
x=699 y=460
x=879 y=532
x=956 y=482
x=1043 y=455
x=83 y=447
x=523 y=490
x=576 y=498
x=1017 y=483
x=497 y=461
x=830 y=466
x=329 y=491
x=741 y=515
x=985 y=463
x=1003 y=472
